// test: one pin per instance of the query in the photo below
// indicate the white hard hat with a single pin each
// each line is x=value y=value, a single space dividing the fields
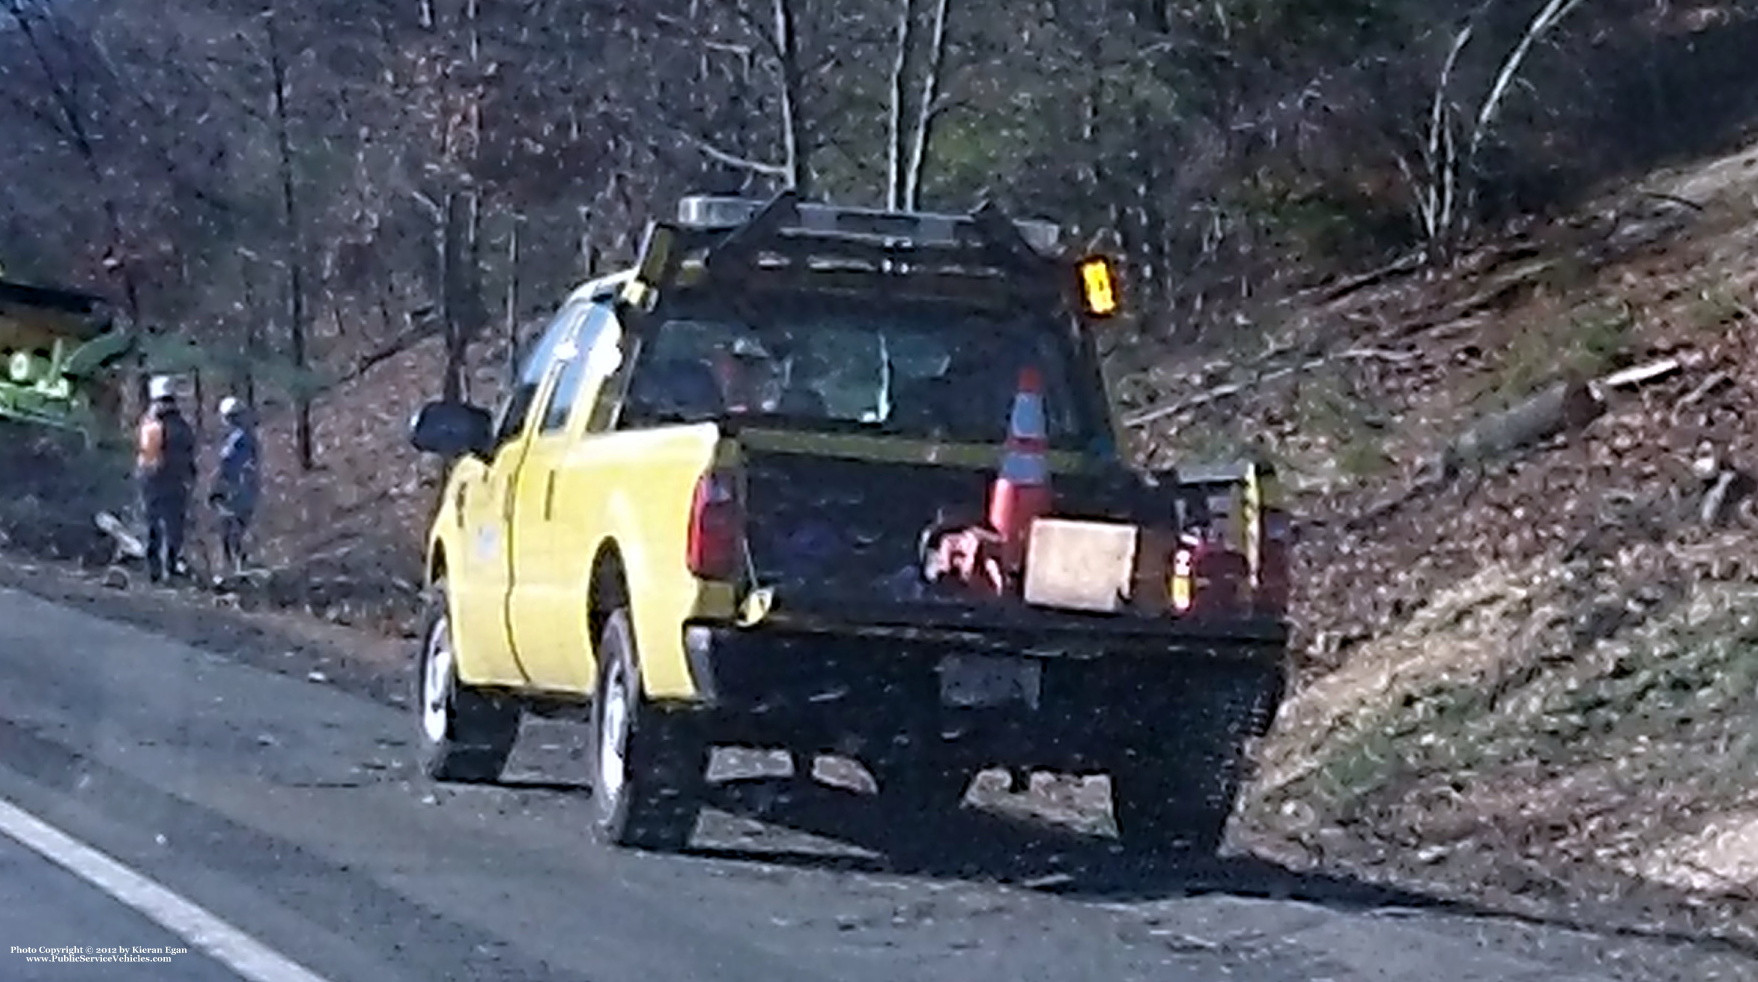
x=230 y=407
x=161 y=387
x=745 y=346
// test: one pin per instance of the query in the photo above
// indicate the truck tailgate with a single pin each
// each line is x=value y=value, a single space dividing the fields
x=837 y=540
x=825 y=531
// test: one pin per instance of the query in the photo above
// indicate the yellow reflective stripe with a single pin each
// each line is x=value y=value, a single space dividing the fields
x=890 y=449
x=1181 y=591
x=1251 y=522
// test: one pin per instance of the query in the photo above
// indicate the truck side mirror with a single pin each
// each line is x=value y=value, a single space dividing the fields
x=452 y=429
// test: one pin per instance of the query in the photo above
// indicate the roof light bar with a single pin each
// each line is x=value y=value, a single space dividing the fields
x=708 y=211
x=1098 y=286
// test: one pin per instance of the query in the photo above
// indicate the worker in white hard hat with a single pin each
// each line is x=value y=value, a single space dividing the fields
x=237 y=481
x=164 y=467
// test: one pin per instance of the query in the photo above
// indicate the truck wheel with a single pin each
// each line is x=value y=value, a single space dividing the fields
x=466 y=734
x=1162 y=809
x=648 y=766
x=1171 y=791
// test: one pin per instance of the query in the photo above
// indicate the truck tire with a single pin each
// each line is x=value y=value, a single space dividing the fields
x=1172 y=792
x=648 y=766
x=1165 y=807
x=466 y=734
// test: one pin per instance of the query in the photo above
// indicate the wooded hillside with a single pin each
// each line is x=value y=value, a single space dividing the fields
x=302 y=188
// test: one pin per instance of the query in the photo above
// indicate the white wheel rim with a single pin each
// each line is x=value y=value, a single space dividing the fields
x=436 y=682
x=613 y=736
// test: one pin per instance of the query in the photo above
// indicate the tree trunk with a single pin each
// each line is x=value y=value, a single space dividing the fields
x=927 y=109
x=894 y=150
x=512 y=322
x=295 y=254
x=793 y=135
x=72 y=116
x=451 y=316
x=244 y=381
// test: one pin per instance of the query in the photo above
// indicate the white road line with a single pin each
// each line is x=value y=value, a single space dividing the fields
x=231 y=947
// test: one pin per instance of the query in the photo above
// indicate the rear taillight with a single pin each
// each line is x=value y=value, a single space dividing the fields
x=1183 y=589
x=716 y=544
x=1207 y=578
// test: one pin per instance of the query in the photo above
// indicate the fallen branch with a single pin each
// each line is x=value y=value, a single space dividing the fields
x=1402 y=264
x=1675 y=199
x=1717 y=498
x=1499 y=289
x=398 y=345
x=1702 y=390
x=720 y=156
x=1637 y=375
x=1234 y=388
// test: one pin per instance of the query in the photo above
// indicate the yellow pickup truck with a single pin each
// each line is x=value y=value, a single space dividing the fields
x=702 y=511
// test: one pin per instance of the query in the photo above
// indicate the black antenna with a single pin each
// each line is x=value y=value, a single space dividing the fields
x=1004 y=238
x=738 y=244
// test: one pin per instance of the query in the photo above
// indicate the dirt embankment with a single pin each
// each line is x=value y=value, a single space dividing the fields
x=1531 y=680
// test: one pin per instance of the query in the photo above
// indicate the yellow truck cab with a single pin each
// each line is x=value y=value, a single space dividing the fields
x=705 y=506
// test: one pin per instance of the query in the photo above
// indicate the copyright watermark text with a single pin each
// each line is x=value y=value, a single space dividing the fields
x=95 y=954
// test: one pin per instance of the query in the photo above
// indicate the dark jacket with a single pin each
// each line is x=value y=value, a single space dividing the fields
x=238 y=482
x=165 y=452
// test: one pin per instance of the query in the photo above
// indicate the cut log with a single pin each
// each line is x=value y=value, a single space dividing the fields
x=1563 y=407
x=127 y=543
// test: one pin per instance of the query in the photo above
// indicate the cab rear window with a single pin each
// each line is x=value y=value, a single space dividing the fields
x=923 y=372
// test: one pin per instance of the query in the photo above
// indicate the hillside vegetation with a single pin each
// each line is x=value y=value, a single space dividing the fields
x=1534 y=681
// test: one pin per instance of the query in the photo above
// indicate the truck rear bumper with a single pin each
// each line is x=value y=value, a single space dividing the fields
x=1068 y=694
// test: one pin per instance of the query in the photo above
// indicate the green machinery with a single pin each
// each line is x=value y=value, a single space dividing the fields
x=59 y=351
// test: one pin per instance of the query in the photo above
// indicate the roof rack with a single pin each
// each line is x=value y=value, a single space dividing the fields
x=710 y=212
x=732 y=239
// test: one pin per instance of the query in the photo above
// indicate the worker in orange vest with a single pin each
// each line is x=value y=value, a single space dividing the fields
x=164 y=467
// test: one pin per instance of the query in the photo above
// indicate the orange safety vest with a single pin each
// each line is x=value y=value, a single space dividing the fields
x=149 y=450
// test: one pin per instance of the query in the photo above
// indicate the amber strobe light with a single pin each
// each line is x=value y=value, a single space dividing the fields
x=1098 y=286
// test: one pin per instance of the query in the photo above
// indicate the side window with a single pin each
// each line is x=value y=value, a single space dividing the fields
x=626 y=350
x=518 y=402
x=617 y=350
x=583 y=360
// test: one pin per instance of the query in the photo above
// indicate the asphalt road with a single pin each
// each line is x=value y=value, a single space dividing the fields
x=291 y=809
x=44 y=906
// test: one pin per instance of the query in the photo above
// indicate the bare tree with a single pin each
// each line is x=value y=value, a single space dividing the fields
x=906 y=29
x=460 y=286
x=907 y=150
x=776 y=34
x=1447 y=184
x=793 y=137
x=294 y=251
x=68 y=120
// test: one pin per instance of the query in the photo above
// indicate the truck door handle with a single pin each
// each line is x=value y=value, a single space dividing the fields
x=548 y=494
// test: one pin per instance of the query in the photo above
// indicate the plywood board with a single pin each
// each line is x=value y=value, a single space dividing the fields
x=1080 y=565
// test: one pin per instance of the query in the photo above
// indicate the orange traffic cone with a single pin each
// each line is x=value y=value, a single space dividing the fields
x=1021 y=491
